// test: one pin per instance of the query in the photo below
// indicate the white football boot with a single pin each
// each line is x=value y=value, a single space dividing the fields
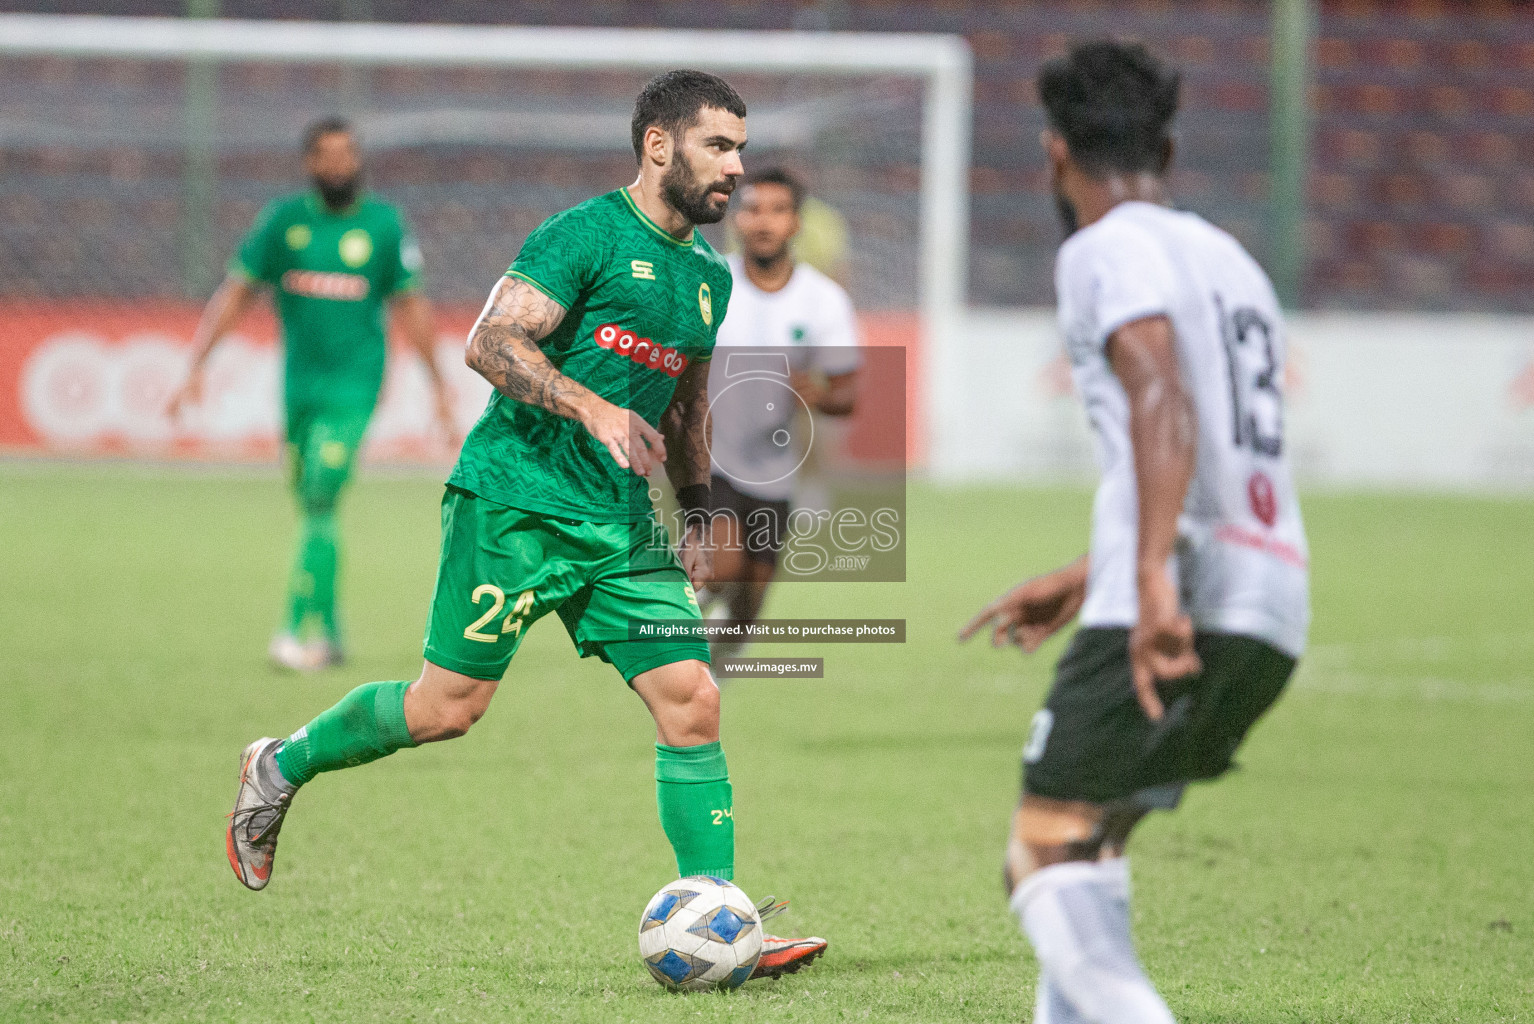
x=328 y=654
x=259 y=807
x=289 y=653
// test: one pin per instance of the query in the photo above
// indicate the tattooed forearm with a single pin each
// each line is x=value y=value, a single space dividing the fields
x=503 y=348
x=686 y=427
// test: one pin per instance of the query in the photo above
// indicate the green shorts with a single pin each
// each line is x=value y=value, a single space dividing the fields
x=322 y=448
x=503 y=569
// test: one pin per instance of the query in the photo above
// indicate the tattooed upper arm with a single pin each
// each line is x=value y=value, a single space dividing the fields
x=503 y=348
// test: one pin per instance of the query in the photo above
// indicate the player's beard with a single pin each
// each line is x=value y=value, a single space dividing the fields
x=683 y=194
x=766 y=261
x=1067 y=211
x=338 y=195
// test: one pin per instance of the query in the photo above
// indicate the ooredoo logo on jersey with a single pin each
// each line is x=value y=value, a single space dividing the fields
x=324 y=284
x=615 y=338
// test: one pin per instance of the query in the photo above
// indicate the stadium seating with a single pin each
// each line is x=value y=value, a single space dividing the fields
x=1419 y=195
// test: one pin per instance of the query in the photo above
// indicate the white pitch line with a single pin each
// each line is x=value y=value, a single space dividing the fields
x=1432 y=689
x=1422 y=647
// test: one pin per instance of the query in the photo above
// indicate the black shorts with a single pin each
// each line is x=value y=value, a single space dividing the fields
x=761 y=523
x=1091 y=741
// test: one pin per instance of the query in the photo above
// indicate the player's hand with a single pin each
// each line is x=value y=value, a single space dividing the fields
x=697 y=559
x=634 y=444
x=186 y=396
x=1161 y=642
x=1032 y=611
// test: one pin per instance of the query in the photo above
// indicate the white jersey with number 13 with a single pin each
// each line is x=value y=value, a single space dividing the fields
x=1241 y=561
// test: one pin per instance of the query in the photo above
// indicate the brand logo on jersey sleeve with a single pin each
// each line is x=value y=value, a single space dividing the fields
x=616 y=339
x=356 y=246
x=706 y=304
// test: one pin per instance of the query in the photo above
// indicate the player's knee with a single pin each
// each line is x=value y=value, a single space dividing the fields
x=702 y=699
x=1049 y=832
x=456 y=720
x=693 y=715
x=325 y=473
x=318 y=494
x=446 y=711
x=316 y=506
x=321 y=489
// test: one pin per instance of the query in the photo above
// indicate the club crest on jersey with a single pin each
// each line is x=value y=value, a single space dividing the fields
x=643 y=351
x=355 y=248
x=706 y=304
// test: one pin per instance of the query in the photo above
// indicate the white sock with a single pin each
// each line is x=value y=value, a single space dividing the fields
x=1052 y=1007
x=1076 y=915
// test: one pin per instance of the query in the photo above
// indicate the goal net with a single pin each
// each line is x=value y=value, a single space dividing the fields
x=138 y=151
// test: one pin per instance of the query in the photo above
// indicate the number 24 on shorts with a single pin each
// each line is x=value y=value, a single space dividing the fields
x=513 y=623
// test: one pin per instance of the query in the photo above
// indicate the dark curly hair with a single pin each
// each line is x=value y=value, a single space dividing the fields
x=317 y=130
x=672 y=101
x=1113 y=103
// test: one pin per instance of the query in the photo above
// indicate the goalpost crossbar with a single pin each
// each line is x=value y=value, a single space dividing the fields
x=942 y=62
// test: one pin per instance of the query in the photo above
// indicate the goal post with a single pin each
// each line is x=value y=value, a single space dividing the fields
x=937 y=68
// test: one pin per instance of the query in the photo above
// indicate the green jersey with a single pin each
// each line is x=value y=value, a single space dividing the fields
x=642 y=308
x=332 y=273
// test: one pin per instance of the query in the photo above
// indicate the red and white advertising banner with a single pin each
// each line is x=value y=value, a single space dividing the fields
x=93 y=379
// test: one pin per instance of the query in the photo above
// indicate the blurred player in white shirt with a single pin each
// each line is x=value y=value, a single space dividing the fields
x=1193 y=598
x=787 y=350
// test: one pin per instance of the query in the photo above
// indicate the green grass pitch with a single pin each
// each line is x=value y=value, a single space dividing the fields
x=1369 y=862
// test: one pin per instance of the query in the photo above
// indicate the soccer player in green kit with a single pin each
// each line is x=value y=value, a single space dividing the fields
x=333 y=256
x=597 y=341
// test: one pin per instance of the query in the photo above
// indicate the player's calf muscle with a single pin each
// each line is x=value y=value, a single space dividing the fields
x=443 y=705
x=684 y=700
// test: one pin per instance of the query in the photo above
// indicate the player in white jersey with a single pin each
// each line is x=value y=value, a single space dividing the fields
x=787 y=351
x=1193 y=597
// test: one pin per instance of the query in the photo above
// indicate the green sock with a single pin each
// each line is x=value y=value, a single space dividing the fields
x=312 y=586
x=363 y=726
x=300 y=593
x=314 y=576
x=692 y=787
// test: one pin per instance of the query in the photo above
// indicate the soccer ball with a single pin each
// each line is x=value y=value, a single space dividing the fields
x=700 y=933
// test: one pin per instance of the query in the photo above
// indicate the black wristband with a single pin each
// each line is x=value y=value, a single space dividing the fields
x=695 y=501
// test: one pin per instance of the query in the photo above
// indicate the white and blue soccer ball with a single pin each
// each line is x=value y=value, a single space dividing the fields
x=700 y=933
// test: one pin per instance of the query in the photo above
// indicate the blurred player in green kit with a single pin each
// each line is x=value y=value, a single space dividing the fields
x=333 y=256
